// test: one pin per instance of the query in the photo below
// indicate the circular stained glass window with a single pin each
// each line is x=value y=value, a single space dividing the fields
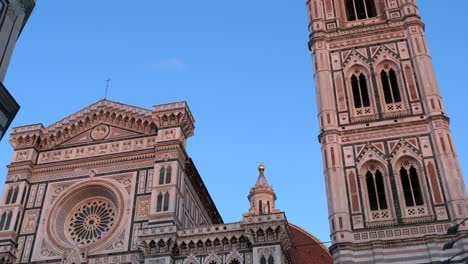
x=91 y=221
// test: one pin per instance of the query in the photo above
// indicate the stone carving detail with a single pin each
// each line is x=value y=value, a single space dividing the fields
x=357 y=222
x=96 y=150
x=385 y=133
x=27 y=249
x=191 y=260
x=142 y=182
x=30 y=221
x=46 y=251
x=169 y=134
x=441 y=213
x=142 y=207
x=40 y=195
x=22 y=155
x=149 y=181
x=32 y=196
x=234 y=255
x=213 y=258
x=401 y=233
x=100 y=132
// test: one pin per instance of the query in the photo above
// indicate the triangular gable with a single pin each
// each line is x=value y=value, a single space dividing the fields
x=234 y=255
x=392 y=144
x=100 y=132
x=404 y=148
x=374 y=50
x=413 y=142
x=359 y=148
x=370 y=153
x=379 y=146
x=384 y=54
x=362 y=52
x=213 y=258
x=392 y=47
x=355 y=58
x=191 y=260
x=345 y=54
x=125 y=120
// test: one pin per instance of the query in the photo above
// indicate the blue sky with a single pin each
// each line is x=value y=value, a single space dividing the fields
x=244 y=68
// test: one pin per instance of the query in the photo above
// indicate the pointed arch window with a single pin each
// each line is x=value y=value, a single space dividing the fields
x=271 y=260
x=168 y=174
x=410 y=185
x=166 y=202
x=10 y=193
x=8 y=220
x=360 y=91
x=260 y=207
x=390 y=85
x=2 y=221
x=159 y=202
x=360 y=9
x=162 y=174
x=376 y=189
x=263 y=260
x=15 y=194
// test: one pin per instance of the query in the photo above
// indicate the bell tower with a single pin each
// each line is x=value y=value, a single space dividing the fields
x=393 y=179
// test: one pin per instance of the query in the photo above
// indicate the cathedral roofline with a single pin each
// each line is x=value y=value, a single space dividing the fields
x=146 y=121
x=202 y=191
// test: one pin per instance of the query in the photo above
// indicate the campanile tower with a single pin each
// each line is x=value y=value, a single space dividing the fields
x=393 y=179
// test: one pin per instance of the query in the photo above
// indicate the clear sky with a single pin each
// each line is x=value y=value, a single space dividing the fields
x=244 y=68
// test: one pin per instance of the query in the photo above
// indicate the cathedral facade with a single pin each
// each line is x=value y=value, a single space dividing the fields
x=113 y=183
x=394 y=184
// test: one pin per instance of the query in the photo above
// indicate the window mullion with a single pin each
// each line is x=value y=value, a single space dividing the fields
x=376 y=191
x=391 y=87
x=360 y=91
x=364 y=2
x=355 y=10
x=411 y=188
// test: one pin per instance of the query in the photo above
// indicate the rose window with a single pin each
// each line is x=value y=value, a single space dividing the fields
x=91 y=221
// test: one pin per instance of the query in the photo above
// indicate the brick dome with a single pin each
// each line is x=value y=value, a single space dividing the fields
x=307 y=249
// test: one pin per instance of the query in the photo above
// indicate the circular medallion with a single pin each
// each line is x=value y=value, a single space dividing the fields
x=91 y=221
x=100 y=132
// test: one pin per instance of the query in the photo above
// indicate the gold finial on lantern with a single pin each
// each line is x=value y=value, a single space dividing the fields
x=261 y=167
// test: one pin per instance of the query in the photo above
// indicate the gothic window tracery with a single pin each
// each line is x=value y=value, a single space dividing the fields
x=159 y=202
x=390 y=85
x=411 y=185
x=271 y=260
x=168 y=174
x=2 y=220
x=360 y=9
x=91 y=221
x=8 y=199
x=359 y=89
x=15 y=195
x=166 y=202
x=8 y=220
x=162 y=174
x=165 y=174
x=162 y=202
x=263 y=260
x=376 y=189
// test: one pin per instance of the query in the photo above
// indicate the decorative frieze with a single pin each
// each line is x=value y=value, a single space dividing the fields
x=97 y=150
